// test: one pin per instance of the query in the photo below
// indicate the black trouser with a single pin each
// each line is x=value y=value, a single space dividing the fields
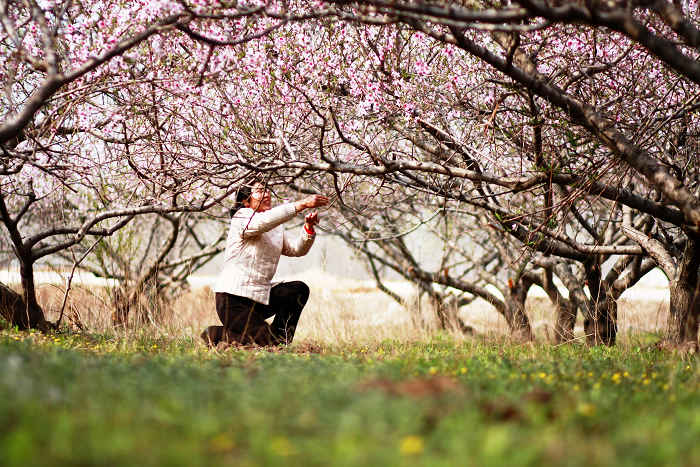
x=244 y=319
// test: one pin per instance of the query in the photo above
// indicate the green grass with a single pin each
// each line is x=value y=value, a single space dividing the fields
x=99 y=400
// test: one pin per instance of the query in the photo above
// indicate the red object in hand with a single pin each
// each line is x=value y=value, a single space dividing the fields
x=311 y=220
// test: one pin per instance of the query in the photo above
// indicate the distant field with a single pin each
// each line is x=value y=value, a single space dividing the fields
x=344 y=310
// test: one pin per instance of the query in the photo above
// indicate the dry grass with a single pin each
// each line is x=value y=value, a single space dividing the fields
x=338 y=311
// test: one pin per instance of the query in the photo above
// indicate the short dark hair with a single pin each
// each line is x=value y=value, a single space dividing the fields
x=242 y=194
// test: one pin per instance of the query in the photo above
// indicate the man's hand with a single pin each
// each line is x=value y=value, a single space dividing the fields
x=311 y=219
x=310 y=202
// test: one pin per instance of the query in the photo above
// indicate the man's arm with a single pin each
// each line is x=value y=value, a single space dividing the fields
x=261 y=222
x=300 y=245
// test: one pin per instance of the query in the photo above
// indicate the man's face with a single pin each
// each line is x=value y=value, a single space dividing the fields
x=260 y=199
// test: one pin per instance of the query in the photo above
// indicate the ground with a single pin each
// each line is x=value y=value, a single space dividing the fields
x=148 y=399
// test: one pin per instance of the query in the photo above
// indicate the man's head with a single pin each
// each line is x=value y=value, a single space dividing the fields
x=258 y=199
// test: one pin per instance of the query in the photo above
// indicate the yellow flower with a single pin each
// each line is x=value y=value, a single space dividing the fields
x=646 y=381
x=432 y=370
x=586 y=409
x=463 y=370
x=411 y=445
x=616 y=378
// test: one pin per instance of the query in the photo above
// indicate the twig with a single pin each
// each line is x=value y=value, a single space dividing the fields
x=572 y=340
x=70 y=279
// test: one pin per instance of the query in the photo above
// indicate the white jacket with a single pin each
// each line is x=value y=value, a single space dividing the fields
x=253 y=248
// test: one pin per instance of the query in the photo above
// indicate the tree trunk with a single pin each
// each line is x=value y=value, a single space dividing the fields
x=137 y=303
x=600 y=320
x=32 y=315
x=684 y=316
x=23 y=310
x=126 y=299
x=441 y=310
x=600 y=323
x=12 y=306
x=515 y=315
x=565 y=308
x=566 y=320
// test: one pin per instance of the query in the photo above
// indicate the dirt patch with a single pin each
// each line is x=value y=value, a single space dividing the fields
x=538 y=396
x=501 y=411
x=417 y=387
